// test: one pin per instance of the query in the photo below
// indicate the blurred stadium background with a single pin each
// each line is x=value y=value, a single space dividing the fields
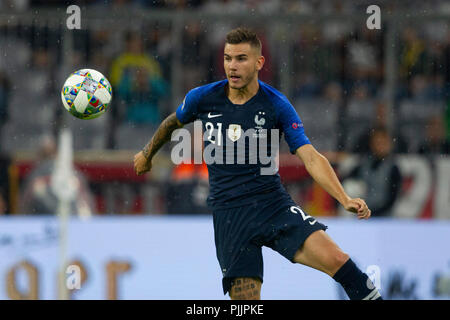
x=363 y=95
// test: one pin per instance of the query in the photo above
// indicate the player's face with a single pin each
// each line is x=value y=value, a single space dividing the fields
x=241 y=63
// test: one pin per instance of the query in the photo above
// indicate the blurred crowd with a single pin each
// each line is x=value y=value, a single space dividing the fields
x=337 y=78
x=267 y=6
x=337 y=71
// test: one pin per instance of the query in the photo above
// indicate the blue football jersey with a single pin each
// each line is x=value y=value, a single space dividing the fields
x=231 y=127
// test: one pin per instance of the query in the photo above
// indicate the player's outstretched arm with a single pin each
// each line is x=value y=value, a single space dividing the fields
x=143 y=159
x=321 y=171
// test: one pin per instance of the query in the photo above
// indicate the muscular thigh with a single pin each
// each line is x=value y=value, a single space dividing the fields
x=245 y=289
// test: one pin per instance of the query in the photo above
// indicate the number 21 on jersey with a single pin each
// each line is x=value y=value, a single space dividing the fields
x=210 y=128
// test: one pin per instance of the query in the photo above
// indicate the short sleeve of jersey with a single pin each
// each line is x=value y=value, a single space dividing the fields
x=187 y=110
x=292 y=126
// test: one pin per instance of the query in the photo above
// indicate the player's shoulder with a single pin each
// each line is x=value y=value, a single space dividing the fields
x=279 y=101
x=207 y=89
x=275 y=96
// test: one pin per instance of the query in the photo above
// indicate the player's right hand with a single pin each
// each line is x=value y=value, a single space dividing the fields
x=141 y=164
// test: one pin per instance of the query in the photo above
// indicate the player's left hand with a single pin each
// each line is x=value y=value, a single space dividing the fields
x=359 y=207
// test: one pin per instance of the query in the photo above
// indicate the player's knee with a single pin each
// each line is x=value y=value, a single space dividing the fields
x=245 y=289
x=338 y=260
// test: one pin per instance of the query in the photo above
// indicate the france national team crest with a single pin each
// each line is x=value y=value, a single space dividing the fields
x=260 y=121
x=234 y=132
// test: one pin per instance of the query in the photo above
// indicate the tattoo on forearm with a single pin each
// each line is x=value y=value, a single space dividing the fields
x=161 y=136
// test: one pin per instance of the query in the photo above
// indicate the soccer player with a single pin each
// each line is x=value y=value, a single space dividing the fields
x=250 y=209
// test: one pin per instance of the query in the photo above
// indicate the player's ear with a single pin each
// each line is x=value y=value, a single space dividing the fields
x=260 y=63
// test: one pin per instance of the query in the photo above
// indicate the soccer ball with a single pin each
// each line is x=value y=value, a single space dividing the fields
x=86 y=94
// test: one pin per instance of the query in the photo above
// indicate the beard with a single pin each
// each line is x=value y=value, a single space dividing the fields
x=243 y=83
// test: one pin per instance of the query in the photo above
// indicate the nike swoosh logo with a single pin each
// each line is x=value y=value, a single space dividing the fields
x=214 y=116
x=311 y=223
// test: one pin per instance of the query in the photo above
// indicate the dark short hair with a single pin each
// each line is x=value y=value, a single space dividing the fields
x=243 y=35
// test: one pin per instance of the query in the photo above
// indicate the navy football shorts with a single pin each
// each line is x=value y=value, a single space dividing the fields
x=276 y=222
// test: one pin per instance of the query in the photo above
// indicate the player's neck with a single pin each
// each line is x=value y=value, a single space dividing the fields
x=241 y=96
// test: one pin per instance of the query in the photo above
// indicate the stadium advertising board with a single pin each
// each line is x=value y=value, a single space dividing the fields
x=174 y=258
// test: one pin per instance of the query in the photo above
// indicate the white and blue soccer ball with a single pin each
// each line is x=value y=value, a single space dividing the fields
x=86 y=94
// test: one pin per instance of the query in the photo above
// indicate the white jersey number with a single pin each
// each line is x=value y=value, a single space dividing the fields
x=297 y=210
x=210 y=128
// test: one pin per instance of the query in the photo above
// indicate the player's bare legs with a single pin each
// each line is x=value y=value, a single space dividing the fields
x=320 y=252
x=245 y=289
